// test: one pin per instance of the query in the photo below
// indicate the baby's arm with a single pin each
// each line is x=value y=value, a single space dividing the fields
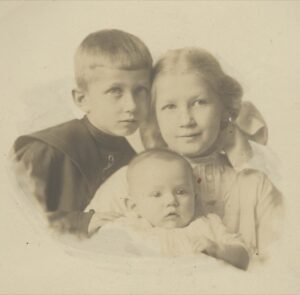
x=101 y=218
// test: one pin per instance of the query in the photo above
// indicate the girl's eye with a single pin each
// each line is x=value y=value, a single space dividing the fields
x=116 y=91
x=200 y=101
x=169 y=106
x=156 y=194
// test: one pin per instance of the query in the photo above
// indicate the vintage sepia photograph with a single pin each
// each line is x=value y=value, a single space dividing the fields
x=150 y=147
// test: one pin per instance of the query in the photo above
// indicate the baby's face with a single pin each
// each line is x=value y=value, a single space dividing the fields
x=163 y=192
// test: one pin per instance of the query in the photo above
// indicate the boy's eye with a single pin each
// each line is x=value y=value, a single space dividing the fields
x=116 y=91
x=155 y=194
x=141 y=91
x=169 y=106
x=200 y=101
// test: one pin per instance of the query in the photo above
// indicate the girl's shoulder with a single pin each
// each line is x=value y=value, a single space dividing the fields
x=256 y=185
x=264 y=166
x=251 y=176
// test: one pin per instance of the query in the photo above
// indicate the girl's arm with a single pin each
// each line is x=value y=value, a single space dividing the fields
x=270 y=215
x=233 y=254
x=223 y=244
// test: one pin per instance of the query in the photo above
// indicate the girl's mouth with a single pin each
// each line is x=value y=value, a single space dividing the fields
x=190 y=135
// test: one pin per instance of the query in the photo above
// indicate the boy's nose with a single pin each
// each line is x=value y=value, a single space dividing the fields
x=186 y=118
x=129 y=102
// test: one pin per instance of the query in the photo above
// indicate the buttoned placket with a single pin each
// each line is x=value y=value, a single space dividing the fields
x=209 y=171
x=110 y=163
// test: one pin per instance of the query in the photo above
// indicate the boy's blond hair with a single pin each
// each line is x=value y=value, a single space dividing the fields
x=109 y=48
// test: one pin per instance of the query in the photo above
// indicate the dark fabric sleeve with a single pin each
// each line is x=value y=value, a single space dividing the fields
x=57 y=185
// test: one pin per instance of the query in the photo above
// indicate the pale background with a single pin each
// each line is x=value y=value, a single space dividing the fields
x=256 y=42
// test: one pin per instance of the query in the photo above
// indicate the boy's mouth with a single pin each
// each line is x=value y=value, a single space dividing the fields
x=128 y=121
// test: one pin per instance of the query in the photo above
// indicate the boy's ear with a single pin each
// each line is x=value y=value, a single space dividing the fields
x=80 y=98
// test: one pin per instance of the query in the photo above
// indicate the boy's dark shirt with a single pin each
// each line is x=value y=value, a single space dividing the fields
x=63 y=166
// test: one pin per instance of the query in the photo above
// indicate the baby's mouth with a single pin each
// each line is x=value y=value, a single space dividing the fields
x=172 y=215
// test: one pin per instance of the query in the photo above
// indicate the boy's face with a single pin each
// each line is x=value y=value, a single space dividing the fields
x=163 y=192
x=117 y=100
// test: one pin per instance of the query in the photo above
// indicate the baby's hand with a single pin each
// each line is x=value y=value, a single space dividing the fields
x=101 y=218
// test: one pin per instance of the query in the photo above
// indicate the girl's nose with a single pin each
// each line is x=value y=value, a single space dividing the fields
x=186 y=118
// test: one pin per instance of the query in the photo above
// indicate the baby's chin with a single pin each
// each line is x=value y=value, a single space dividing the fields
x=171 y=224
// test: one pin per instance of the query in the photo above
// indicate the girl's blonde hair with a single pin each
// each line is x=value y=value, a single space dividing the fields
x=199 y=61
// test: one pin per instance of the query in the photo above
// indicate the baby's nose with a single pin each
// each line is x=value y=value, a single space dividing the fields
x=171 y=199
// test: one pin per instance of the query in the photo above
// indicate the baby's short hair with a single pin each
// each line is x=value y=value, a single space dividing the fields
x=158 y=153
x=111 y=48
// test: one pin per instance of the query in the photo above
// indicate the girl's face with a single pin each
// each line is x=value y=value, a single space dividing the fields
x=188 y=114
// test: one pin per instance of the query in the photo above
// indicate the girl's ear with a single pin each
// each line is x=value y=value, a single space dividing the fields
x=80 y=98
x=226 y=119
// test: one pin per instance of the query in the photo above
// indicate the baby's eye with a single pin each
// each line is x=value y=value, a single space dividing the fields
x=155 y=194
x=169 y=106
x=200 y=101
x=116 y=91
x=181 y=191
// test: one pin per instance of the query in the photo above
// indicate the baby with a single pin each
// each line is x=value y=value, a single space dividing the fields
x=161 y=211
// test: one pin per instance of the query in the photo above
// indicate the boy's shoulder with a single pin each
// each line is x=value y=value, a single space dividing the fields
x=74 y=135
x=54 y=134
x=92 y=154
x=70 y=138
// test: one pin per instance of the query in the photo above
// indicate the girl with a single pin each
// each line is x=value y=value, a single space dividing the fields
x=196 y=110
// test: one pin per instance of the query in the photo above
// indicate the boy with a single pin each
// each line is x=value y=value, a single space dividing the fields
x=62 y=166
x=161 y=213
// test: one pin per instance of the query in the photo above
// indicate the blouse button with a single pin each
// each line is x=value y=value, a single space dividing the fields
x=209 y=177
x=209 y=172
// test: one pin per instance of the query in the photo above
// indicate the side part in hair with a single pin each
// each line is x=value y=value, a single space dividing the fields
x=109 y=48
